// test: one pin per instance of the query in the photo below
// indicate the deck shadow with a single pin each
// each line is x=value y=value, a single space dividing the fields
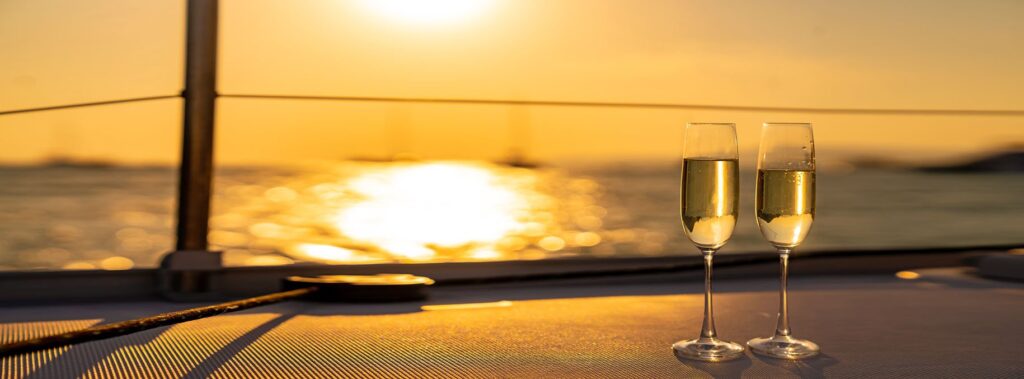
x=728 y=369
x=80 y=358
x=807 y=368
x=215 y=361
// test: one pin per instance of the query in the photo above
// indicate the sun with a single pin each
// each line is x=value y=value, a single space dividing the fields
x=428 y=12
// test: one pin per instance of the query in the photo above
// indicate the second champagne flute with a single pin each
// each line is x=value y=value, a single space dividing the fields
x=708 y=196
x=784 y=205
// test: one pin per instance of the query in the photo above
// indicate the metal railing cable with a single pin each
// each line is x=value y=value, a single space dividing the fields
x=562 y=103
x=599 y=104
x=89 y=104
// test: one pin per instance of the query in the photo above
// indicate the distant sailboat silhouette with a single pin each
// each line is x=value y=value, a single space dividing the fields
x=398 y=132
x=519 y=137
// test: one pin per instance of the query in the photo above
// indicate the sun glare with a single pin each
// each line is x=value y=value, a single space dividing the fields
x=408 y=210
x=428 y=12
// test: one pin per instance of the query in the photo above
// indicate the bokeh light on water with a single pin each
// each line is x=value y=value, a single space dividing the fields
x=408 y=212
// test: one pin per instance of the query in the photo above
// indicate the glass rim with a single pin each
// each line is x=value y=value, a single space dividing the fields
x=711 y=123
x=786 y=123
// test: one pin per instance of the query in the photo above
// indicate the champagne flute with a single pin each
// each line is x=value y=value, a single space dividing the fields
x=708 y=205
x=785 y=211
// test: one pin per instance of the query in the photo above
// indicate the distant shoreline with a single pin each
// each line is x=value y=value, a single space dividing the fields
x=1010 y=161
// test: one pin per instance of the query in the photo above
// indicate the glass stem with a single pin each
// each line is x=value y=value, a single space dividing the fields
x=707 y=330
x=782 y=329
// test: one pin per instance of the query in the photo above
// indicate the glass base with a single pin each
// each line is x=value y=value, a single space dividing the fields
x=783 y=347
x=707 y=349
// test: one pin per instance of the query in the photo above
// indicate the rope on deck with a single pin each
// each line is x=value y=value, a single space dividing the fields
x=101 y=332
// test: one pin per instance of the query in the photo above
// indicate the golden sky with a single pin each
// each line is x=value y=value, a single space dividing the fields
x=865 y=54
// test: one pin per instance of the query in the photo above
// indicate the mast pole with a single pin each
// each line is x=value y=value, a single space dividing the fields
x=189 y=269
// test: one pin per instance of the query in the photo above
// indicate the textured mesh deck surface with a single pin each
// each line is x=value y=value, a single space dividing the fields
x=867 y=327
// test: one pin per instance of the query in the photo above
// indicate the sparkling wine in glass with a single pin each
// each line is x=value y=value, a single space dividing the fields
x=709 y=193
x=784 y=205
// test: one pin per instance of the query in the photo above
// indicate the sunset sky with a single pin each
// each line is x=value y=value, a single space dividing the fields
x=864 y=54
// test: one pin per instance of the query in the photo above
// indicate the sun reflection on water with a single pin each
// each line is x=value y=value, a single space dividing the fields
x=427 y=205
x=411 y=212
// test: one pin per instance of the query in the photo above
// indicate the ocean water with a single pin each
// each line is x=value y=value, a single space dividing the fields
x=412 y=212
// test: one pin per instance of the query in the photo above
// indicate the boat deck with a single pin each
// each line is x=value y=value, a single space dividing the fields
x=946 y=323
